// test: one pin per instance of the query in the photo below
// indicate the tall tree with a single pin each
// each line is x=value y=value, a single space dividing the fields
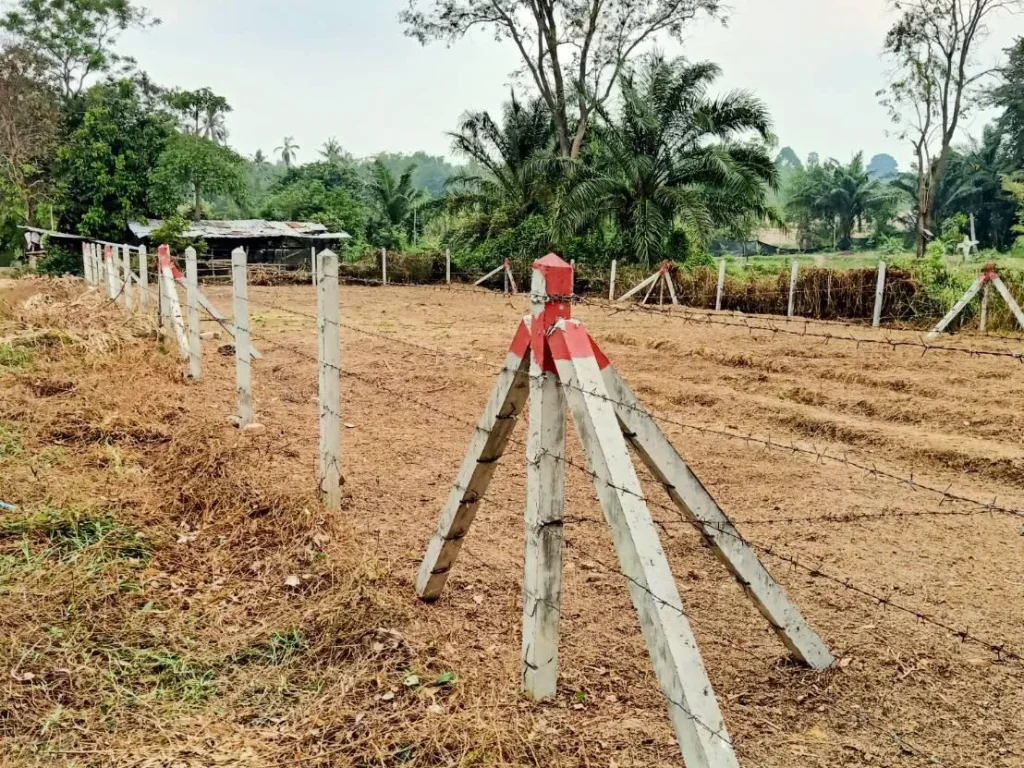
x=75 y=38
x=574 y=51
x=883 y=167
x=671 y=163
x=29 y=119
x=192 y=166
x=1009 y=97
x=201 y=113
x=104 y=163
x=287 y=150
x=933 y=45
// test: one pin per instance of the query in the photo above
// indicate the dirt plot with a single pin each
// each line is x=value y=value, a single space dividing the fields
x=905 y=692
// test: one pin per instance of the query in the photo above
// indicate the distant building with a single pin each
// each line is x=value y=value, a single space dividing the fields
x=266 y=242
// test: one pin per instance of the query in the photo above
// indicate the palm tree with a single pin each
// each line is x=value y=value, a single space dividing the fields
x=512 y=155
x=214 y=127
x=288 y=149
x=260 y=159
x=843 y=194
x=396 y=199
x=332 y=151
x=671 y=162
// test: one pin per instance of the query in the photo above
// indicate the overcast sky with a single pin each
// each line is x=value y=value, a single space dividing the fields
x=313 y=69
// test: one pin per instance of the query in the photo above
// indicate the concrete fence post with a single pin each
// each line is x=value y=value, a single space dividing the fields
x=384 y=265
x=169 y=296
x=243 y=358
x=128 y=286
x=313 y=266
x=111 y=271
x=876 y=319
x=985 y=294
x=448 y=266
x=86 y=264
x=329 y=348
x=721 y=285
x=143 y=276
x=792 y=289
x=195 y=346
x=611 y=281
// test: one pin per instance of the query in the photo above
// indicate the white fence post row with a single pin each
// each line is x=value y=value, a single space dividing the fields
x=611 y=282
x=143 y=276
x=384 y=265
x=876 y=320
x=792 y=289
x=721 y=285
x=172 y=307
x=448 y=266
x=329 y=349
x=195 y=345
x=243 y=360
x=128 y=288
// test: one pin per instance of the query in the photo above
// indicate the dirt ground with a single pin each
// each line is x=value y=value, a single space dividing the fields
x=905 y=692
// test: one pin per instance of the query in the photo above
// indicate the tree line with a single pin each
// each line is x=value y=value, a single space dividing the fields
x=614 y=150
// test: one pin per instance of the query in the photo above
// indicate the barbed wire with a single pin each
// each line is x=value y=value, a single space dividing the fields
x=820 y=455
x=965 y=635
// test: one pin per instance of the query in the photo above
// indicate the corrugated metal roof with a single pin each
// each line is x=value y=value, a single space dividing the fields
x=244 y=229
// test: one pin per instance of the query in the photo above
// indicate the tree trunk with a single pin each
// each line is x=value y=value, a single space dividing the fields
x=197 y=211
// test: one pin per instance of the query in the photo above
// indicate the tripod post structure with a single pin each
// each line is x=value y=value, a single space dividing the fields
x=988 y=277
x=555 y=364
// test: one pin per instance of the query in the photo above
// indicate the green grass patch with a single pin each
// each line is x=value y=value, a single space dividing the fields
x=15 y=357
x=71 y=532
x=281 y=647
x=158 y=674
x=10 y=443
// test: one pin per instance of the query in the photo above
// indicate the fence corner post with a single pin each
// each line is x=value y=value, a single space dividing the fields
x=195 y=347
x=329 y=349
x=243 y=358
x=876 y=319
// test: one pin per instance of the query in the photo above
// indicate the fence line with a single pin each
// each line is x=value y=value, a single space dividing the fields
x=329 y=365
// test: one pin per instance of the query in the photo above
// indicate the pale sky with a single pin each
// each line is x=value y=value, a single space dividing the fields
x=313 y=69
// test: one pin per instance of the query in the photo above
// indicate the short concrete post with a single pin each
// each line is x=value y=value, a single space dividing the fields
x=721 y=285
x=111 y=271
x=384 y=265
x=448 y=266
x=329 y=348
x=243 y=359
x=172 y=311
x=879 y=296
x=985 y=295
x=195 y=345
x=86 y=264
x=127 y=286
x=611 y=282
x=792 y=289
x=313 y=266
x=143 y=276
x=545 y=488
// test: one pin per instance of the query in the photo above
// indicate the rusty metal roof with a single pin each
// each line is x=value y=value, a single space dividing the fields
x=245 y=229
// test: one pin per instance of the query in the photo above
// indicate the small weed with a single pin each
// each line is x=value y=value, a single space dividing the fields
x=10 y=443
x=580 y=697
x=71 y=531
x=159 y=674
x=281 y=647
x=15 y=357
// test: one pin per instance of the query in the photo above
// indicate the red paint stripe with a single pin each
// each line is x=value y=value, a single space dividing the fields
x=602 y=359
x=521 y=342
x=570 y=343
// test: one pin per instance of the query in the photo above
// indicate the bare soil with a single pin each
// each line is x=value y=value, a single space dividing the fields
x=289 y=635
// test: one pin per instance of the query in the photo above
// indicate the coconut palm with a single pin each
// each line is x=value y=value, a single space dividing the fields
x=214 y=127
x=671 y=162
x=331 y=151
x=287 y=151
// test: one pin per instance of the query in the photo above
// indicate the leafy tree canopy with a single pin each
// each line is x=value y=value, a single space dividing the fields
x=883 y=168
x=191 y=166
x=325 y=192
x=75 y=38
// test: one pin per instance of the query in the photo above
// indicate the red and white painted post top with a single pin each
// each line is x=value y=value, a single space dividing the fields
x=164 y=260
x=551 y=295
x=989 y=273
